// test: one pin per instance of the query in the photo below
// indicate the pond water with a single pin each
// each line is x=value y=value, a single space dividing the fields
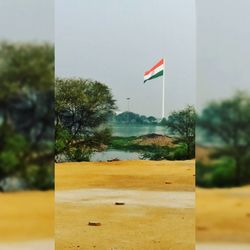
x=126 y=130
x=113 y=154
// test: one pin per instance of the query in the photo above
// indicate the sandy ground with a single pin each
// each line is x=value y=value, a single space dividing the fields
x=26 y=220
x=223 y=218
x=46 y=244
x=222 y=246
x=159 y=205
x=133 y=174
x=131 y=197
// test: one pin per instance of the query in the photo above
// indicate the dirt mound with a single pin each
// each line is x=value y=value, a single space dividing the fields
x=155 y=139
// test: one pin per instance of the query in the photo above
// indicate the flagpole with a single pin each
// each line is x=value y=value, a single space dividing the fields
x=163 y=90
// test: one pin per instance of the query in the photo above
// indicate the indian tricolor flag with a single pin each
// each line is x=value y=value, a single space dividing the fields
x=155 y=71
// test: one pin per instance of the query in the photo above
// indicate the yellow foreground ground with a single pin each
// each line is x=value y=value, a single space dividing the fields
x=158 y=211
x=133 y=174
x=26 y=216
x=223 y=215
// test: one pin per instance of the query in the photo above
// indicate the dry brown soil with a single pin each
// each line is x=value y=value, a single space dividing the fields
x=158 y=211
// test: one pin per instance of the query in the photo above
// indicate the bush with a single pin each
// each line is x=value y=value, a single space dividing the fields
x=220 y=173
x=8 y=162
x=179 y=152
x=157 y=153
x=224 y=172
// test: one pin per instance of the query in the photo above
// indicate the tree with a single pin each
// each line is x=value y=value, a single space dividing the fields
x=133 y=118
x=152 y=120
x=82 y=108
x=226 y=123
x=26 y=113
x=182 y=123
x=163 y=122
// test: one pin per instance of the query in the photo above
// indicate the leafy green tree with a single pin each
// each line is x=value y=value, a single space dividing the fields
x=182 y=124
x=152 y=120
x=163 y=122
x=128 y=117
x=226 y=124
x=82 y=108
x=26 y=111
x=133 y=118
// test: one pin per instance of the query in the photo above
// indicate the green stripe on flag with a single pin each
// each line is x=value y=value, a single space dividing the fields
x=160 y=73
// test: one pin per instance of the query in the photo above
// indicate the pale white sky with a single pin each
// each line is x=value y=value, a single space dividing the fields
x=116 y=41
x=27 y=20
x=223 y=49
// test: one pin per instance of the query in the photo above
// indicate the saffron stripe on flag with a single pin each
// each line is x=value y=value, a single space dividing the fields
x=156 y=71
x=154 y=67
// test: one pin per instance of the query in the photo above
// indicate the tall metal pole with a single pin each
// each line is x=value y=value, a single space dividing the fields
x=128 y=99
x=163 y=90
